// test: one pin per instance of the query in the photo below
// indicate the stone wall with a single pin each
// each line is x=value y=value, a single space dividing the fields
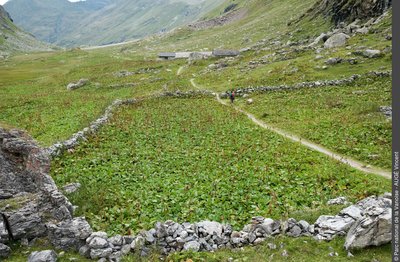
x=316 y=84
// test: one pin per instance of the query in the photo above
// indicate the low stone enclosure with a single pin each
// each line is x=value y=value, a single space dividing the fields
x=32 y=207
x=240 y=91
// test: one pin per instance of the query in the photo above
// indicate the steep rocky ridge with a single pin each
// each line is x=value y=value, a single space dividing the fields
x=349 y=10
x=12 y=39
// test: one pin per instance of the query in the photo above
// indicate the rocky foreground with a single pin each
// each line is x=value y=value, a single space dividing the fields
x=32 y=207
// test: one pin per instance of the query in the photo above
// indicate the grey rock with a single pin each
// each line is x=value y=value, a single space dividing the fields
x=285 y=253
x=304 y=225
x=149 y=237
x=161 y=230
x=99 y=234
x=100 y=253
x=372 y=53
x=319 y=40
x=388 y=194
x=43 y=256
x=252 y=237
x=98 y=243
x=338 y=201
x=363 y=30
x=336 y=40
x=333 y=61
x=268 y=226
x=211 y=227
x=295 y=231
x=5 y=251
x=126 y=249
x=137 y=243
x=70 y=234
x=128 y=239
x=259 y=240
x=116 y=240
x=327 y=227
x=387 y=111
x=85 y=251
x=71 y=188
x=370 y=231
x=82 y=82
x=192 y=245
x=271 y=246
x=352 y=211
x=116 y=256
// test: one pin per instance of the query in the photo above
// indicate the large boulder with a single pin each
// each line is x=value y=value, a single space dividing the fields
x=32 y=196
x=374 y=228
x=31 y=203
x=336 y=40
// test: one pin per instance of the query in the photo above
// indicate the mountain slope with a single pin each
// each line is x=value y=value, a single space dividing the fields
x=12 y=39
x=103 y=22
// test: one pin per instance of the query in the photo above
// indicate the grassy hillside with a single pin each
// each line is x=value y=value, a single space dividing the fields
x=13 y=39
x=213 y=163
x=96 y=23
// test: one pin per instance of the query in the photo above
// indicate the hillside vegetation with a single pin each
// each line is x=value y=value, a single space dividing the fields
x=95 y=22
x=189 y=159
x=13 y=39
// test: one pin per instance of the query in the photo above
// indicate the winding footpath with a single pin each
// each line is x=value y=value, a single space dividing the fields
x=343 y=159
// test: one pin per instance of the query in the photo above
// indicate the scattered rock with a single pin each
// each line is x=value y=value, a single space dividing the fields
x=71 y=188
x=250 y=101
x=386 y=110
x=372 y=53
x=338 y=201
x=43 y=256
x=5 y=251
x=82 y=82
x=333 y=61
x=364 y=30
x=336 y=40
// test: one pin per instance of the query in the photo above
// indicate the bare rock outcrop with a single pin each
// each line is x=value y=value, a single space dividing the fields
x=29 y=199
x=349 y=10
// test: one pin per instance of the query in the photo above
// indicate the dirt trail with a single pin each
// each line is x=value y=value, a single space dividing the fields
x=346 y=160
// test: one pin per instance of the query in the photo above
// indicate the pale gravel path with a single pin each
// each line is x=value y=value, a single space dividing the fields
x=341 y=158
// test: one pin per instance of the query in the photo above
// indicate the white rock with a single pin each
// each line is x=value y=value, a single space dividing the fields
x=98 y=243
x=370 y=231
x=43 y=256
x=211 y=227
x=192 y=245
x=336 y=40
